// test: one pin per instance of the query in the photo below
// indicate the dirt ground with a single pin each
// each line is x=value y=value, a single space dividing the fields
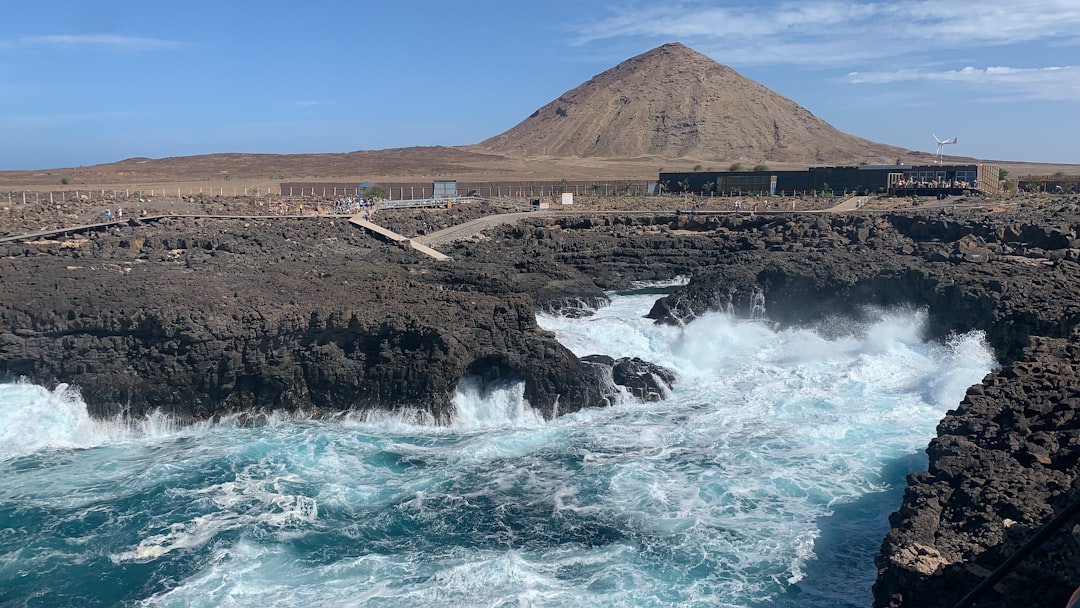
x=229 y=174
x=237 y=184
x=41 y=213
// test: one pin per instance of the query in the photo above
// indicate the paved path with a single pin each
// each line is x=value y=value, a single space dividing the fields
x=473 y=227
x=850 y=204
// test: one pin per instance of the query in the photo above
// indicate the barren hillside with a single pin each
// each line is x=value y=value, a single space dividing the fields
x=673 y=102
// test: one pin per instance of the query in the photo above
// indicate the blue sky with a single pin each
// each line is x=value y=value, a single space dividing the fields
x=83 y=83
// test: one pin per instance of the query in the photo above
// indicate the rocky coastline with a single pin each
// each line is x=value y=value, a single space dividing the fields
x=208 y=317
x=1006 y=459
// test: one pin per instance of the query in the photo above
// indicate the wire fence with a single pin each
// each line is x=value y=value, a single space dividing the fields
x=483 y=189
x=56 y=196
x=390 y=191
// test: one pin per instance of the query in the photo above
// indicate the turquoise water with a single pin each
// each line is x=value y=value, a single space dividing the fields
x=765 y=479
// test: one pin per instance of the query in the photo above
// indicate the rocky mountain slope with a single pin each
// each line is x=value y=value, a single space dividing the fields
x=673 y=102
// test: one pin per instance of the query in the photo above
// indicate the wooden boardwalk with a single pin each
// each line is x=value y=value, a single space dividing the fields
x=397 y=238
x=134 y=221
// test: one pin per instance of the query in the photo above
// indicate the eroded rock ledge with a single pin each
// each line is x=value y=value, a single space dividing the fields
x=1003 y=463
x=202 y=318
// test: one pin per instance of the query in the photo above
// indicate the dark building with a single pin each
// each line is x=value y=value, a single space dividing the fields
x=1059 y=183
x=894 y=180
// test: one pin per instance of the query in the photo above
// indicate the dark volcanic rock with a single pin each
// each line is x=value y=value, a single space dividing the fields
x=1003 y=463
x=643 y=380
x=206 y=317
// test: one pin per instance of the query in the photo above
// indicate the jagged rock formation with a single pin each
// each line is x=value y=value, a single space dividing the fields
x=202 y=318
x=1003 y=464
x=673 y=102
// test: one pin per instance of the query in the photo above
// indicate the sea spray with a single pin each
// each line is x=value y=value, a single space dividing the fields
x=764 y=480
x=477 y=405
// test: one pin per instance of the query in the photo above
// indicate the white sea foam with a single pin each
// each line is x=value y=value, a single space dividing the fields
x=724 y=494
x=257 y=497
x=479 y=406
x=796 y=422
x=33 y=418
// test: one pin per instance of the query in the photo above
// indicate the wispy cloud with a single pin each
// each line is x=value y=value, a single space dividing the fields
x=838 y=32
x=310 y=103
x=995 y=83
x=112 y=42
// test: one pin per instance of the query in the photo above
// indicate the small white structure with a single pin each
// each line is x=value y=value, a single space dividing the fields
x=941 y=143
x=568 y=198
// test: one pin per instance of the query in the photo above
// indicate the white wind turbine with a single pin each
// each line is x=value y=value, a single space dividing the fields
x=941 y=145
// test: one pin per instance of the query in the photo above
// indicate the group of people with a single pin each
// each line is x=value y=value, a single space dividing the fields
x=350 y=206
x=934 y=183
x=342 y=206
x=737 y=206
x=765 y=205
